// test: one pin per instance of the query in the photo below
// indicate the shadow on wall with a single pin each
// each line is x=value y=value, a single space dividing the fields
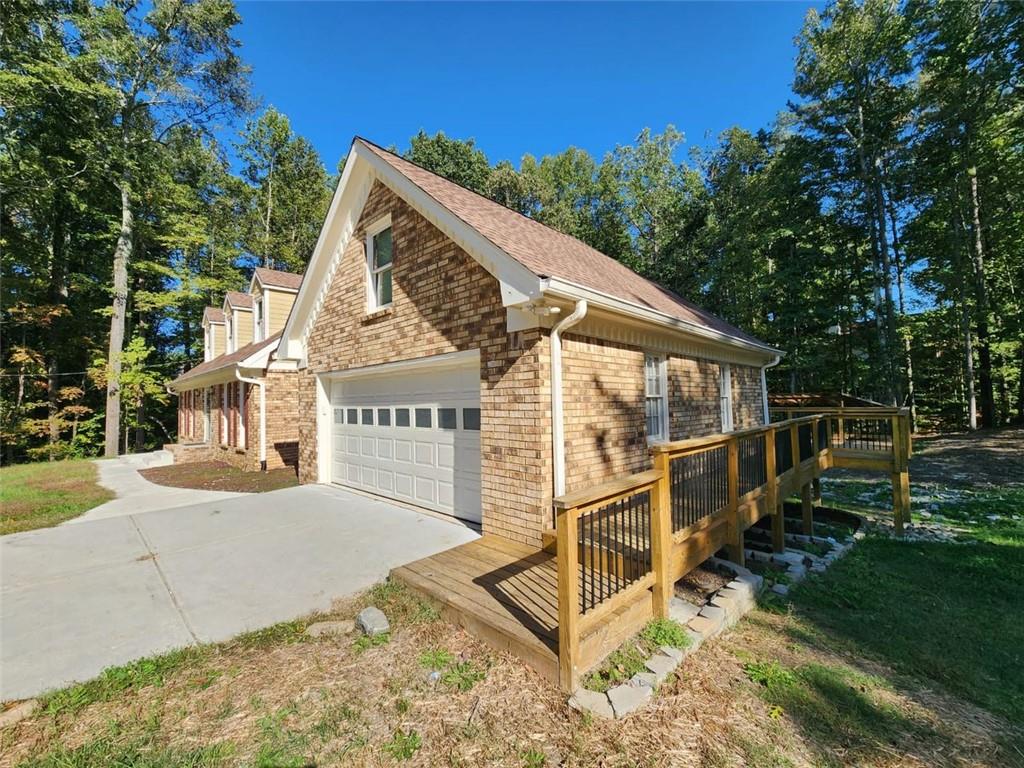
x=288 y=452
x=627 y=433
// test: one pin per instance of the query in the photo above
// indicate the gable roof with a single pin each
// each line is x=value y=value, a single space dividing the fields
x=276 y=278
x=549 y=253
x=225 y=361
x=213 y=315
x=238 y=300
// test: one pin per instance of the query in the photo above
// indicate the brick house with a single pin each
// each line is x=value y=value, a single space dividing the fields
x=240 y=404
x=456 y=355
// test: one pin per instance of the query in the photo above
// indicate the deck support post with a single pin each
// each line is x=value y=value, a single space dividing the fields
x=807 y=509
x=661 y=538
x=568 y=599
x=816 y=491
x=734 y=549
x=900 y=474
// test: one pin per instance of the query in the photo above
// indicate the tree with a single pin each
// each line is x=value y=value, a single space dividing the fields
x=172 y=64
x=457 y=160
x=285 y=195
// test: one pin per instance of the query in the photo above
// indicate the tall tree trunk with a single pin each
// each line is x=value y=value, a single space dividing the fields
x=885 y=265
x=58 y=294
x=268 y=261
x=988 y=407
x=122 y=254
x=908 y=360
x=965 y=320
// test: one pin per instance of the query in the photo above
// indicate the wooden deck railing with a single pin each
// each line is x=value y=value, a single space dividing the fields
x=622 y=545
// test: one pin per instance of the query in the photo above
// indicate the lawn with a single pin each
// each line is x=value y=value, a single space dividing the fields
x=47 y=493
x=220 y=476
x=902 y=654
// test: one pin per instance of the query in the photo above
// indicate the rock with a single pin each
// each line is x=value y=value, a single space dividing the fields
x=434 y=677
x=780 y=589
x=706 y=627
x=661 y=665
x=627 y=698
x=18 y=712
x=696 y=640
x=644 y=678
x=681 y=611
x=593 y=702
x=789 y=557
x=321 y=628
x=712 y=612
x=796 y=572
x=676 y=654
x=372 y=621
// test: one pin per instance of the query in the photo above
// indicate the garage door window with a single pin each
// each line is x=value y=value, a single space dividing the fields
x=352 y=416
x=339 y=416
x=401 y=417
x=383 y=417
x=471 y=419
x=424 y=418
x=368 y=416
x=447 y=418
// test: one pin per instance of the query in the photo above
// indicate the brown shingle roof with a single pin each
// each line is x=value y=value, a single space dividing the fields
x=276 y=278
x=213 y=315
x=549 y=253
x=238 y=299
x=227 y=360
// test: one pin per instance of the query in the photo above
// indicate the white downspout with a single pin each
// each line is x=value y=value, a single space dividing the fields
x=263 y=414
x=764 y=388
x=557 y=415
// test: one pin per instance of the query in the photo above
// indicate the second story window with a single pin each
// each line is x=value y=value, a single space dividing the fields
x=378 y=262
x=725 y=396
x=230 y=338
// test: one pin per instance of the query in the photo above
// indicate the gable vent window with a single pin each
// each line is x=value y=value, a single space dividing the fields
x=379 y=263
x=656 y=386
x=725 y=397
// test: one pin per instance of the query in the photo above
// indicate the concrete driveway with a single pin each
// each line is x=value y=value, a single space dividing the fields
x=78 y=598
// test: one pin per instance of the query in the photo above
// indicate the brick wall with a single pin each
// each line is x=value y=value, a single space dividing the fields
x=693 y=387
x=282 y=420
x=443 y=302
x=748 y=404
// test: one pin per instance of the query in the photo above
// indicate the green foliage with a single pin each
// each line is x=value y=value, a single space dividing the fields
x=462 y=676
x=365 y=642
x=661 y=632
x=403 y=744
x=41 y=495
x=108 y=750
x=436 y=658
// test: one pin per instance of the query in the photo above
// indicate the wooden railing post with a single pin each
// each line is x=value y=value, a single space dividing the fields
x=900 y=472
x=567 y=555
x=772 y=501
x=734 y=548
x=841 y=427
x=661 y=537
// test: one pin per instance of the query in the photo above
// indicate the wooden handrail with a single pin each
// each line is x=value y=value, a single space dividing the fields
x=610 y=490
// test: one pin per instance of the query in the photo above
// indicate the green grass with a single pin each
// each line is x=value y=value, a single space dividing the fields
x=109 y=751
x=629 y=658
x=950 y=613
x=47 y=493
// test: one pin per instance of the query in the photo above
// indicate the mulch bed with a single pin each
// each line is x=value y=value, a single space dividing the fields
x=220 y=476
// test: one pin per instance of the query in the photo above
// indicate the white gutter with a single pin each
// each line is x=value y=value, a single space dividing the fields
x=263 y=414
x=764 y=388
x=557 y=416
x=558 y=287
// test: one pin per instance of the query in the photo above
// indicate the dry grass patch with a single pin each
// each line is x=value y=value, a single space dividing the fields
x=279 y=698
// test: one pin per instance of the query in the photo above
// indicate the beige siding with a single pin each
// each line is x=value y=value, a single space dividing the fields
x=243 y=327
x=219 y=338
x=280 y=305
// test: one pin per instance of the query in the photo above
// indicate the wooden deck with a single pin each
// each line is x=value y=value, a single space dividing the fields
x=503 y=592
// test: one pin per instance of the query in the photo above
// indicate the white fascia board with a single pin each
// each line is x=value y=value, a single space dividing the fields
x=219 y=376
x=557 y=287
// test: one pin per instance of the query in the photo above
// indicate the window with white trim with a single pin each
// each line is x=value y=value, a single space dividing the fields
x=656 y=400
x=379 y=264
x=229 y=343
x=725 y=396
x=257 y=319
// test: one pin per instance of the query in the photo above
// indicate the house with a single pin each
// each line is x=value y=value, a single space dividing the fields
x=453 y=354
x=239 y=405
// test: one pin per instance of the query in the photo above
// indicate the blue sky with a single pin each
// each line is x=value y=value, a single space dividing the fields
x=519 y=78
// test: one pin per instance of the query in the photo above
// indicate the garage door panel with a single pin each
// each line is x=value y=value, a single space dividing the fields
x=412 y=436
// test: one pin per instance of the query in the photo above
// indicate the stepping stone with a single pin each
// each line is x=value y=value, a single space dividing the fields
x=780 y=589
x=593 y=702
x=372 y=621
x=706 y=627
x=627 y=698
x=662 y=666
x=321 y=628
x=681 y=611
x=648 y=679
x=676 y=654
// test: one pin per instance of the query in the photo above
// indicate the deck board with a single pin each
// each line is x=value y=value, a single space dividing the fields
x=502 y=591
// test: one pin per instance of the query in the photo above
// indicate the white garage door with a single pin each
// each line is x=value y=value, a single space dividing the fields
x=411 y=436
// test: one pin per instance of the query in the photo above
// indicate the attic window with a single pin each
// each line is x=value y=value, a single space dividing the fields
x=379 y=264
